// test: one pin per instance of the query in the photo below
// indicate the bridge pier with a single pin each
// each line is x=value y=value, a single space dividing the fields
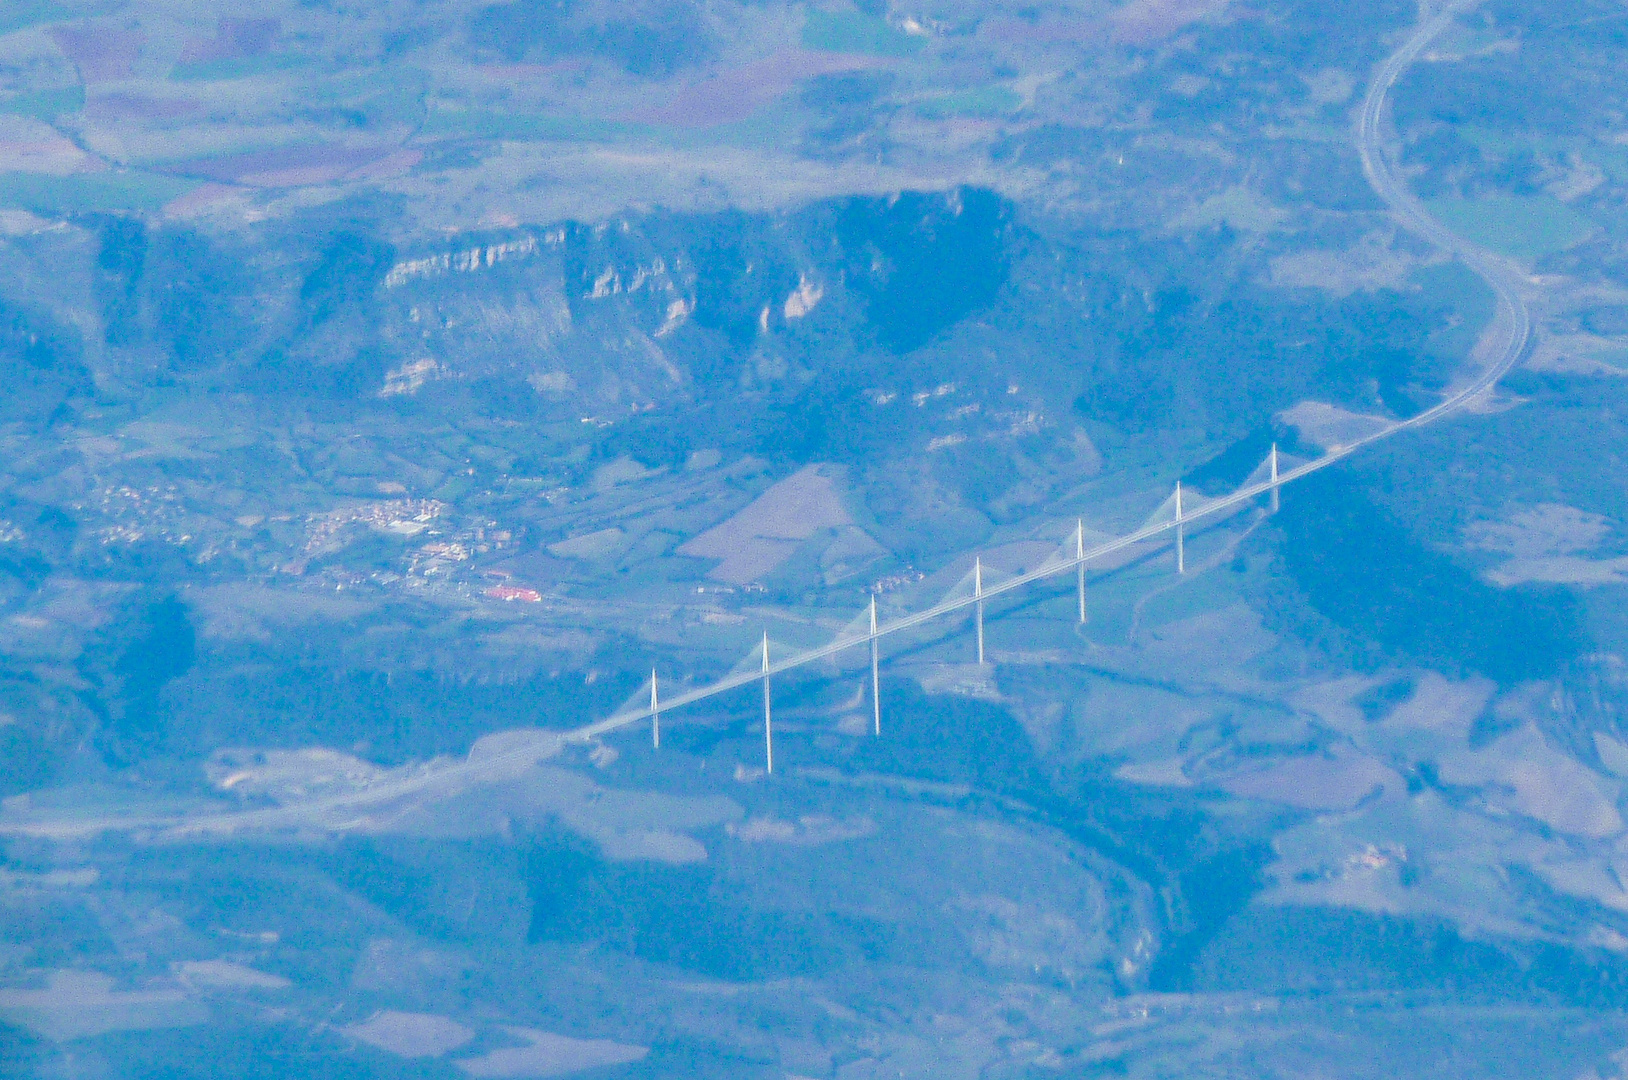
x=876 y=678
x=1274 y=478
x=768 y=729
x=655 y=713
x=1079 y=559
x=978 y=592
x=1181 y=556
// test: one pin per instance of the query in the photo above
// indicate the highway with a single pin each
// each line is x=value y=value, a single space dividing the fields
x=1511 y=331
x=1508 y=339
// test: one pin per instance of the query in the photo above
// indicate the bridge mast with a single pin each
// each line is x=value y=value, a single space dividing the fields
x=1079 y=559
x=1181 y=558
x=876 y=679
x=655 y=713
x=768 y=730
x=1274 y=478
x=978 y=591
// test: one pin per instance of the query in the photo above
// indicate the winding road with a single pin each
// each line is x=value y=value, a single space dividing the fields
x=1505 y=344
x=1503 y=347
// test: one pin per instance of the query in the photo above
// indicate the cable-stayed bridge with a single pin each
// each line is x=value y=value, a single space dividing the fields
x=1510 y=334
x=1175 y=515
x=1502 y=349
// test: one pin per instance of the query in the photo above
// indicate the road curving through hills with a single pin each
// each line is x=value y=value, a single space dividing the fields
x=1503 y=347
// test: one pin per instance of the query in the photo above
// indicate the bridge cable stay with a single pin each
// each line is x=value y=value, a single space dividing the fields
x=1512 y=318
x=1269 y=474
x=973 y=587
x=957 y=598
x=755 y=666
x=864 y=629
x=1163 y=519
x=643 y=702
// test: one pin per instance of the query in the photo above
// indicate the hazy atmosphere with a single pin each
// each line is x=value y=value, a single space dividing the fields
x=818 y=541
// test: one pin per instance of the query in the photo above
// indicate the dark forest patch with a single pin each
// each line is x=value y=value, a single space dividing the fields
x=1339 y=950
x=692 y=917
x=649 y=38
x=1402 y=601
x=149 y=643
x=923 y=262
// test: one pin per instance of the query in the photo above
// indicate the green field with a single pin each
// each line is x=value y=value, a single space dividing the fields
x=1456 y=285
x=45 y=104
x=1523 y=226
x=1611 y=157
x=990 y=101
x=524 y=127
x=90 y=192
x=242 y=68
x=855 y=32
x=17 y=14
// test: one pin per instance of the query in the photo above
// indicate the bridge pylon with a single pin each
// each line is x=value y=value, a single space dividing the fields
x=1274 y=478
x=768 y=725
x=655 y=713
x=978 y=593
x=1181 y=555
x=1079 y=561
x=876 y=677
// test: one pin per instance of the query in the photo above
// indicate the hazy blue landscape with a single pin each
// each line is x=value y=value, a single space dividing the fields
x=1211 y=418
